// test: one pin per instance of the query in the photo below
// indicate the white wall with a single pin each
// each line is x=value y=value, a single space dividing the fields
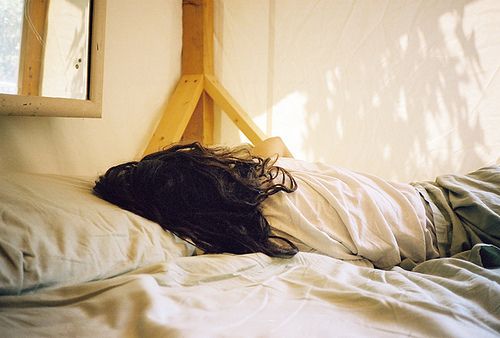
x=142 y=66
x=402 y=89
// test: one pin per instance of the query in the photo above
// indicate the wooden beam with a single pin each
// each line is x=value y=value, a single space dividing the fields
x=197 y=58
x=192 y=37
x=197 y=37
x=208 y=69
x=194 y=128
x=179 y=110
x=30 y=65
x=208 y=37
x=201 y=126
x=189 y=115
x=223 y=99
x=208 y=119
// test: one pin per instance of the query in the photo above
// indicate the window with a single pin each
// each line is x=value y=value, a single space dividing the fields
x=44 y=47
x=10 y=44
x=51 y=57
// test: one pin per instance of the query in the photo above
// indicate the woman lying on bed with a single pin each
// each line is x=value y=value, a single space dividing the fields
x=245 y=200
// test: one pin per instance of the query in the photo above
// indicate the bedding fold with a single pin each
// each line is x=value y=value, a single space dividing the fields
x=466 y=209
x=254 y=295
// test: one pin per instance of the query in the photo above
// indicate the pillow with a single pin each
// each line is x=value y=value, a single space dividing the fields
x=55 y=231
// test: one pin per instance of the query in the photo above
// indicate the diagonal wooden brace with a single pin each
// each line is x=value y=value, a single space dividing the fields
x=179 y=110
x=189 y=113
x=241 y=119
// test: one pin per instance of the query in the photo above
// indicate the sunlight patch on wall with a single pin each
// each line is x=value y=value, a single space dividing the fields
x=403 y=42
x=289 y=121
x=339 y=127
x=402 y=110
x=405 y=91
x=387 y=152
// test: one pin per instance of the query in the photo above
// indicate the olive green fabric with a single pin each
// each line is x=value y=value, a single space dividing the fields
x=466 y=209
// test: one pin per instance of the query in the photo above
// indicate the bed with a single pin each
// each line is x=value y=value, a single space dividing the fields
x=74 y=265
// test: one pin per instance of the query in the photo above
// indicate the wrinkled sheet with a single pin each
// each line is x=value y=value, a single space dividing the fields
x=256 y=296
x=54 y=231
x=465 y=208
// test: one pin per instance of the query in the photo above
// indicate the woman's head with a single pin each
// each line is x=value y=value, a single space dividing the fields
x=210 y=196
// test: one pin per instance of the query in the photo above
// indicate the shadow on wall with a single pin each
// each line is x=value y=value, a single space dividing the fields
x=392 y=88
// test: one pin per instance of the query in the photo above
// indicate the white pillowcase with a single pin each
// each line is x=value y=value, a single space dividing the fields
x=55 y=231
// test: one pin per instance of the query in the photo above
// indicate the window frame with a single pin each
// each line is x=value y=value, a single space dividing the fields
x=32 y=105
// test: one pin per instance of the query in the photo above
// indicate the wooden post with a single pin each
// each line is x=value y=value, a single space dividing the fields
x=197 y=58
x=189 y=115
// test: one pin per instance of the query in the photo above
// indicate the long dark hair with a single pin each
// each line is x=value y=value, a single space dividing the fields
x=208 y=196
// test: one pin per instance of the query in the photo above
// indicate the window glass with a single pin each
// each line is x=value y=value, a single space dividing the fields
x=11 y=23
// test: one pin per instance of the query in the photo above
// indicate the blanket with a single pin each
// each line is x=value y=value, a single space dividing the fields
x=256 y=296
x=466 y=210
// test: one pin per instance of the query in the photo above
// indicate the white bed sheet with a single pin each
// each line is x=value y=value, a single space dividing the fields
x=73 y=265
x=256 y=296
